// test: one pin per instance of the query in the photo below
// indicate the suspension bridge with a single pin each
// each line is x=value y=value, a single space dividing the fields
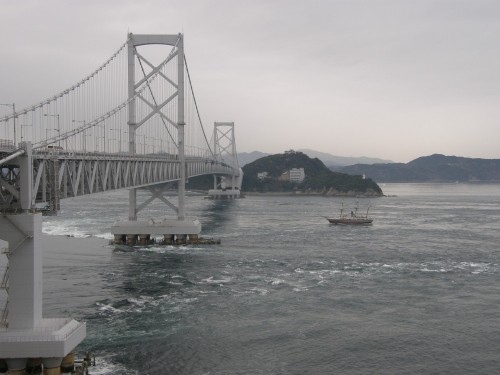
x=131 y=124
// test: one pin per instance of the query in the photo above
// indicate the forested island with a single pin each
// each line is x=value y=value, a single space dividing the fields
x=274 y=174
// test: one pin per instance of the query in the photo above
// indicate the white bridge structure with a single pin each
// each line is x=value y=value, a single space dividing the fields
x=131 y=124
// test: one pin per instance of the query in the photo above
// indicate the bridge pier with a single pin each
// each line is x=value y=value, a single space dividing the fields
x=228 y=188
x=172 y=231
x=144 y=239
x=27 y=334
x=224 y=194
x=24 y=333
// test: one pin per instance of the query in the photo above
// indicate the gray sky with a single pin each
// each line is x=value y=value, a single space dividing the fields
x=395 y=79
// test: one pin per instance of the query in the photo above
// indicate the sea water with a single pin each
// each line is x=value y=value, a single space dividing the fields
x=417 y=292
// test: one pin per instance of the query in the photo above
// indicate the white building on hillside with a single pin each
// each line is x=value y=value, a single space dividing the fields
x=262 y=175
x=297 y=175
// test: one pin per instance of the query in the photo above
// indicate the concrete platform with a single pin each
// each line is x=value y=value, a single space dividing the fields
x=224 y=193
x=143 y=232
x=53 y=338
x=160 y=228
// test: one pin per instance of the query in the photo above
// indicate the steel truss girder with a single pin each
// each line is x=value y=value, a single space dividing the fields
x=9 y=186
x=83 y=176
x=67 y=175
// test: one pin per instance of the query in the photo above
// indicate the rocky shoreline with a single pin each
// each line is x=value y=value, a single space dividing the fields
x=326 y=192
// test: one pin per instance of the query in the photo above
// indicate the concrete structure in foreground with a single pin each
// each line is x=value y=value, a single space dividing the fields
x=25 y=334
x=52 y=338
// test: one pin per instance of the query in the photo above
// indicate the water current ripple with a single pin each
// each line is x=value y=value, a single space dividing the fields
x=285 y=292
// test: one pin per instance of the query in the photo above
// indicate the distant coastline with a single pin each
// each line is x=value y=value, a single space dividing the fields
x=435 y=168
x=309 y=194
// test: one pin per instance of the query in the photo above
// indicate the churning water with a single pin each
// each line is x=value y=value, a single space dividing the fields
x=417 y=292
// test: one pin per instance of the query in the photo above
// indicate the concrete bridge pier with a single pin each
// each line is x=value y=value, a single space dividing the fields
x=131 y=239
x=16 y=365
x=26 y=333
x=228 y=188
x=34 y=365
x=173 y=231
x=144 y=239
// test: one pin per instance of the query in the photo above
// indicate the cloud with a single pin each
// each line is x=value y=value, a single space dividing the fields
x=391 y=79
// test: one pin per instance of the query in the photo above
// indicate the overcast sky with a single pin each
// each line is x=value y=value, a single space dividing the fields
x=394 y=79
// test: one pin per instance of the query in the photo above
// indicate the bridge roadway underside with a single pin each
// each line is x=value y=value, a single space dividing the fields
x=75 y=175
x=58 y=175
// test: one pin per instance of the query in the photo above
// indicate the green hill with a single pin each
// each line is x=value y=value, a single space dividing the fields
x=318 y=178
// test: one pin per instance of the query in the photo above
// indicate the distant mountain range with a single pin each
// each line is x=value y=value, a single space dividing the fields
x=331 y=161
x=434 y=168
x=245 y=158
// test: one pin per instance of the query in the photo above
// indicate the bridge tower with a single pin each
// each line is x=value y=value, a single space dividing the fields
x=24 y=333
x=224 y=144
x=134 y=231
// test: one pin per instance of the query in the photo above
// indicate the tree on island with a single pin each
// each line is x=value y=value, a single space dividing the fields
x=318 y=178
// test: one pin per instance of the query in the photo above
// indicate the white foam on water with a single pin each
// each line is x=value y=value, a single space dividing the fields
x=260 y=291
x=61 y=230
x=108 y=308
x=207 y=291
x=168 y=249
x=253 y=277
x=106 y=236
x=156 y=249
x=476 y=268
x=276 y=281
x=238 y=293
x=323 y=273
x=174 y=283
x=425 y=269
x=189 y=300
x=300 y=289
x=211 y=280
x=142 y=302
x=104 y=367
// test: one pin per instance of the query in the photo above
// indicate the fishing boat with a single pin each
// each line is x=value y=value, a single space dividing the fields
x=352 y=218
